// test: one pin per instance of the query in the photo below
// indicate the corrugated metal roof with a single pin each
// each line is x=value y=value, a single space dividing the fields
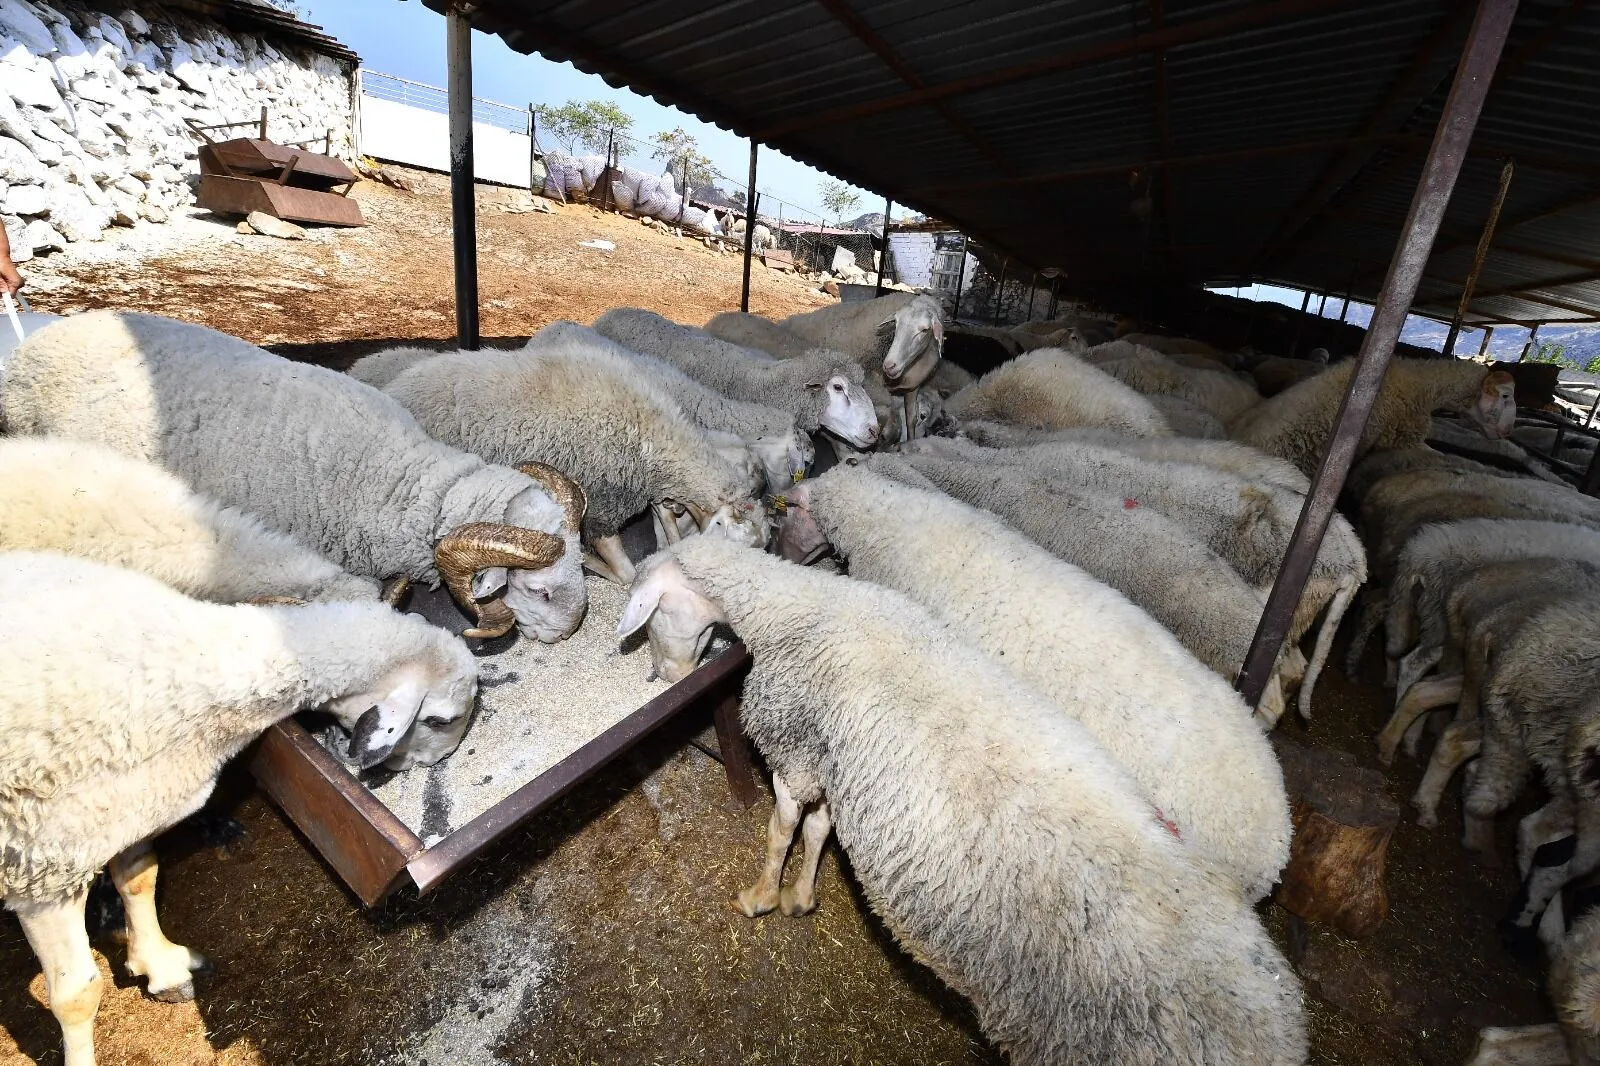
x=257 y=17
x=1274 y=139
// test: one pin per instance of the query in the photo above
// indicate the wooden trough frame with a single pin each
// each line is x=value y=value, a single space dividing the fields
x=375 y=853
x=292 y=182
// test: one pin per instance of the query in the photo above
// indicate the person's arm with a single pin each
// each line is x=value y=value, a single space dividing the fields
x=10 y=279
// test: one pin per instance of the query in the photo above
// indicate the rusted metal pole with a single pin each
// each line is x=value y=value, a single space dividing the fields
x=961 y=277
x=1055 y=287
x=1033 y=290
x=1483 y=346
x=1533 y=339
x=999 y=288
x=750 y=200
x=1484 y=240
x=1460 y=116
x=883 y=256
x=463 y=207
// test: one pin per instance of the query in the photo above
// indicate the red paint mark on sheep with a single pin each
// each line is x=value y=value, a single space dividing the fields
x=1129 y=503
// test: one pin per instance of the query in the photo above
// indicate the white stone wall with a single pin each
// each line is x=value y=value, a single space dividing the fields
x=92 y=110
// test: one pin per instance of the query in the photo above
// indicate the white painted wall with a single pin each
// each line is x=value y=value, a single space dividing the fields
x=400 y=133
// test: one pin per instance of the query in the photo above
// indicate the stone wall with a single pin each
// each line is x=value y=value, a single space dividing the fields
x=93 y=108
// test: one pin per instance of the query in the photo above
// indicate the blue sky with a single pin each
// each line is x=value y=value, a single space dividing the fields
x=403 y=38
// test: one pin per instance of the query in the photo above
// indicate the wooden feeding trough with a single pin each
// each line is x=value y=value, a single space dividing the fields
x=381 y=833
x=286 y=181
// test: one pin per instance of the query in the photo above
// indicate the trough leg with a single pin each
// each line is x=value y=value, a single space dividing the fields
x=59 y=938
x=611 y=551
x=1460 y=742
x=763 y=896
x=1419 y=699
x=165 y=966
x=735 y=750
x=802 y=897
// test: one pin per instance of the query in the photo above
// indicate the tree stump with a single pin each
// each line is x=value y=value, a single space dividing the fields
x=1343 y=819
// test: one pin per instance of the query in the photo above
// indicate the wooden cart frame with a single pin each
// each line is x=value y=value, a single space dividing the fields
x=374 y=853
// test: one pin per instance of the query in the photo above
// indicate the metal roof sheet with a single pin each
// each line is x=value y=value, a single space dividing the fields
x=1275 y=139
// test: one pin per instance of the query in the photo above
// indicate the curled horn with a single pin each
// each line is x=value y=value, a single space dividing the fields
x=395 y=590
x=477 y=546
x=565 y=491
x=701 y=515
x=275 y=601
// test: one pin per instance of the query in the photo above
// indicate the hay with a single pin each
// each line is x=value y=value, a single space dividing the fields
x=537 y=704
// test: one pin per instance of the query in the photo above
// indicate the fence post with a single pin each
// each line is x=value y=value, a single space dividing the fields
x=751 y=199
x=463 y=205
x=533 y=142
x=1479 y=57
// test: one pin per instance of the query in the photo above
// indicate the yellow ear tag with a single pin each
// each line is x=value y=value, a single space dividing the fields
x=780 y=504
x=798 y=476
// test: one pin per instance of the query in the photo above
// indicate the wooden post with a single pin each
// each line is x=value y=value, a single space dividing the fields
x=463 y=206
x=263 y=122
x=1480 y=56
x=750 y=200
x=735 y=750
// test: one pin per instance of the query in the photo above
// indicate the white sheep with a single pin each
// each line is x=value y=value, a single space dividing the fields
x=1050 y=389
x=1191 y=590
x=122 y=701
x=1221 y=393
x=1296 y=424
x=997 y=840
x=760 y=241
x=585 y=409
x=81 y=499
x=820 y=390
x=755 y=333
x=1165 y=717
x=1247 y=523
x=1227 y=455
x=1188 y=419
x=335 y=463
x=782 y=449
x=380 y=368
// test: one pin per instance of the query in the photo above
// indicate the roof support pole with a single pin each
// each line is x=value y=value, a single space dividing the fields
x=1483 y=346
x=1000 y=287
x=1479 y=58
x=463 y=207
x=1055 y=286
x=1533 y=339
x=749 y=228
x=883 y=256
x=1300 y=324
x=1484 y=240
x=961 y=277
x=1033 y=289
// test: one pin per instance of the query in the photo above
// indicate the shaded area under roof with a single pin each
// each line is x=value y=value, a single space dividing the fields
x=1156 y=143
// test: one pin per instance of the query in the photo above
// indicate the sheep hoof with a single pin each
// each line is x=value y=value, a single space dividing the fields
x=794 y=906
x=181 y=993
x=1428 y=819
x=753 y=903
x=167 y=972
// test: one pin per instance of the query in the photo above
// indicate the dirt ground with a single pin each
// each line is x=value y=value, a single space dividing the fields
x=604 y=932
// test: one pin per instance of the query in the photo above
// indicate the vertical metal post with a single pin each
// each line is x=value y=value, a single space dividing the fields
x=1483 y=347
x=1323 y=306
x=961 y=278
x=533 y=144
x=1533 y=339
x=750 y=201
x=463 y=207
x=883 y=256
x=1055 y=291
x=1479 y=58
x=1033 y=289
x=1300 y=324
x=1482 y=253
x=999 y=287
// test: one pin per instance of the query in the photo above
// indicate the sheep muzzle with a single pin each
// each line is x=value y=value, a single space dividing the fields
x=568 y=493
x=481 y=545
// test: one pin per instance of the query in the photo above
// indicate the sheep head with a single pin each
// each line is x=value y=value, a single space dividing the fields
x=1495 y=410
x=918 y=340
x=416 y=712
x=846 y=409
x=474 y=561
x=800 y=539
x=678 y=615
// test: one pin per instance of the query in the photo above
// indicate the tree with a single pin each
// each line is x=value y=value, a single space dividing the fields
x=679 y=147
x=838 y=199
x=584 y=124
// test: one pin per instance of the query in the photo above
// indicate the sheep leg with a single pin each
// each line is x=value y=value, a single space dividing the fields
x=1413 y=742
x=1368 y=620
x=598 y=567
x=802 y=898
x=763 y=896
x=1418 y=661
x=610 y=550
x=1459 y=743
x=908 y=415
x=1550 y=867
x=60 y=939
x=1319 y=654
x=1551 y=822
x=1272 y=704
x=1524 y=1045
x=165 y=966
x=1419 y=699
x=666 y=525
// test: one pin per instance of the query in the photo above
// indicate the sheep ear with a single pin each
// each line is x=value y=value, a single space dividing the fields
x=641 y=605
x=486 y=583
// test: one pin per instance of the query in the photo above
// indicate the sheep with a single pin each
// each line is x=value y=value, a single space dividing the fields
x=1297 y=423
x=1210 y=609
x=380 y=368
x=1217 y=391
x=821 y=390
x=992 y=834
x=334 y=463
x=1162 y=715
x=1274 y=375
x=81 y=499
x=754 y=333
x=1248 y=524
x=1050 y=389
x=1188 y=419
x=783 y=451
x=1227 y=455
x=760 y=240
x=1574 y=988
x=99 y=756
x=1374 y=467
x=573 y=401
